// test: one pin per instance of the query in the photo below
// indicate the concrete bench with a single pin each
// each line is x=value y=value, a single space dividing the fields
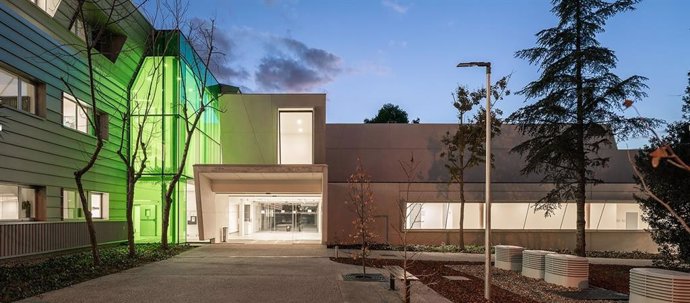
x=396 y=272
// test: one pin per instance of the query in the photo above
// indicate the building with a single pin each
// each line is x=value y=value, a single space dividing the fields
x=265 y=167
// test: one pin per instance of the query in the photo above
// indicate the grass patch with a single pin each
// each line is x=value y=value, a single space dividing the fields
x=23 y=280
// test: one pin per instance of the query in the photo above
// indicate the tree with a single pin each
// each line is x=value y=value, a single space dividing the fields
x=361 y=202
x=577 y=104
x=94 y=34
x=406 y=206
x=195 y=102
x=390 y=113
x=663 y=178
x=464 y=149
x=136 y=134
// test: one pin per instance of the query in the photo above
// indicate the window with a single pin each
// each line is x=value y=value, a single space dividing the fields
x=78 y=29
x=296 y=137
x=71 y=205
x=49 y=6
x=600 y=215
x=17 y=202
x=17 y=93
x=97 y=205
x=75 y=114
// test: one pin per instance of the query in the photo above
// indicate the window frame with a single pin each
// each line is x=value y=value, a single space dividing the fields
x=104 y=203
x=20 y=199
x=85 y=109
x=34 y=103
x=279 y=132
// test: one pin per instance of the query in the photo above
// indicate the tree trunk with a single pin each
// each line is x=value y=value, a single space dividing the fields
x=461 y=235
x=130 y=220
x=581 y=154
x=176 y=178
x=85 y=204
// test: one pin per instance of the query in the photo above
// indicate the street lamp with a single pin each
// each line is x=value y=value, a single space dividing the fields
x=487 y=182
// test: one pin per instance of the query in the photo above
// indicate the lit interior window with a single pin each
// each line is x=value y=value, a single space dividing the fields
x=296 y=137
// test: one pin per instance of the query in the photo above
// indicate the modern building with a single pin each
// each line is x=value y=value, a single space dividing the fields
x=262 y=167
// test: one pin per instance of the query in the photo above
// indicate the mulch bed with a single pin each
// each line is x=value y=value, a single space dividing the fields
x=431 y=274
x=611 y=277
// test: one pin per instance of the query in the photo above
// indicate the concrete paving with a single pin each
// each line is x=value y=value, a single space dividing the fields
x=237 y=273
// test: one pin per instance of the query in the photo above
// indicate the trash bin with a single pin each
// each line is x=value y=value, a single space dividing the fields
x=224 y=234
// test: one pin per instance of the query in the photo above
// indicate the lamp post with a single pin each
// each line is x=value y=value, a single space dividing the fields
x=487 y=182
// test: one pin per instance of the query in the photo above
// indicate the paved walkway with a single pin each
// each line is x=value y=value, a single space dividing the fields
x=236 y=273
x=256 y=273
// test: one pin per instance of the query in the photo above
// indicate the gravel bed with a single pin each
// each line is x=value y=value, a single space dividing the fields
x=534 y=289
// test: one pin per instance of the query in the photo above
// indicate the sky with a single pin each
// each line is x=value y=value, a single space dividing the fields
x=363 y=54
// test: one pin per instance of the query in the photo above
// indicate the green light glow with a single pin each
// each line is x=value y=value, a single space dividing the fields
x=164 y=85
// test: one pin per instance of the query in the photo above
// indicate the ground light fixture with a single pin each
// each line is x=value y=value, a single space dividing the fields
x=487 y=182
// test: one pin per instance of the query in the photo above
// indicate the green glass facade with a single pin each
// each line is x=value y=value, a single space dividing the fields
x=171 y=82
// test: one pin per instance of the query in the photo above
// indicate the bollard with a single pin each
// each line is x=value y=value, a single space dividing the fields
x=391 y=282
x=336 y=252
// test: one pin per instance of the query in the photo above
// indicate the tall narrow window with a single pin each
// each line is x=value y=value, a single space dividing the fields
x=17 y=93
x=296 y=137
x=71 y=207
x=75 y=114
x=97 y=205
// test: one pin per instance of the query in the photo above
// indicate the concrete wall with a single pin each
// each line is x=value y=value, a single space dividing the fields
x=382 y=146
x=249 y=126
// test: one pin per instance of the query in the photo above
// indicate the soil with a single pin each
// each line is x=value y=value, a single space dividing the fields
x=431 y=274
x=612 y=277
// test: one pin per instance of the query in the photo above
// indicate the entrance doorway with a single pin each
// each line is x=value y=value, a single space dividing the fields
x=274 y=217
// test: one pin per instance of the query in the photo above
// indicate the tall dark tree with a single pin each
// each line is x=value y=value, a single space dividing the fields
x=664 y=180
x=390 y=113
x=577 y=104
x=464 y=148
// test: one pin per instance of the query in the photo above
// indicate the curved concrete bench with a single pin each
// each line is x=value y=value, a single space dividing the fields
x=566 y=270
x=508 y=257
x=533 y=263
x=654 y=285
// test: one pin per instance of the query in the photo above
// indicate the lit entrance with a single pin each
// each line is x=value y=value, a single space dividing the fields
x=274 y=217
x=259 y=203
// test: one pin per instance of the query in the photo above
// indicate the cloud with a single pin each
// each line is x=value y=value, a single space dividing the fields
x=293 y=66
x=395 y=6
x=224 y=54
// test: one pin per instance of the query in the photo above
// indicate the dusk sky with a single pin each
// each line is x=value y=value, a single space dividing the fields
x=366 y=53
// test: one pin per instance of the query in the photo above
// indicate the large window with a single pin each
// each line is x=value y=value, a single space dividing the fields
x=296 y=137
x=605 y=215
x=17 y=202
x=17 y=93
x=71 y=205
x=49 y=6
x=75 y=113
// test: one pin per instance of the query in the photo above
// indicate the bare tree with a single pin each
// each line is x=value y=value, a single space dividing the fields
x=406 y=207
x=133 y=152
x=361 y=202
x=195 y=102
x=93 y=34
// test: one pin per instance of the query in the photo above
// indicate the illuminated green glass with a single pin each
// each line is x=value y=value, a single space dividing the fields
x=168 y=83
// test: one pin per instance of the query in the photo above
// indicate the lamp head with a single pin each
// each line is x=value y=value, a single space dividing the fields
x=473 y=64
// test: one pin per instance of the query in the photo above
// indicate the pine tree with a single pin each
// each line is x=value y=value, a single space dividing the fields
x=577 y=104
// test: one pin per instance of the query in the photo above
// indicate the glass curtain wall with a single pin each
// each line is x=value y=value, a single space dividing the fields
x=169 y=84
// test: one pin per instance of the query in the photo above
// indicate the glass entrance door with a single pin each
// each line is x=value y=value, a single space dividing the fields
x=274 y=218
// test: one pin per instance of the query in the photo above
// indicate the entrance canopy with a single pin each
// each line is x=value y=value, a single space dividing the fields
x=221 y=215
